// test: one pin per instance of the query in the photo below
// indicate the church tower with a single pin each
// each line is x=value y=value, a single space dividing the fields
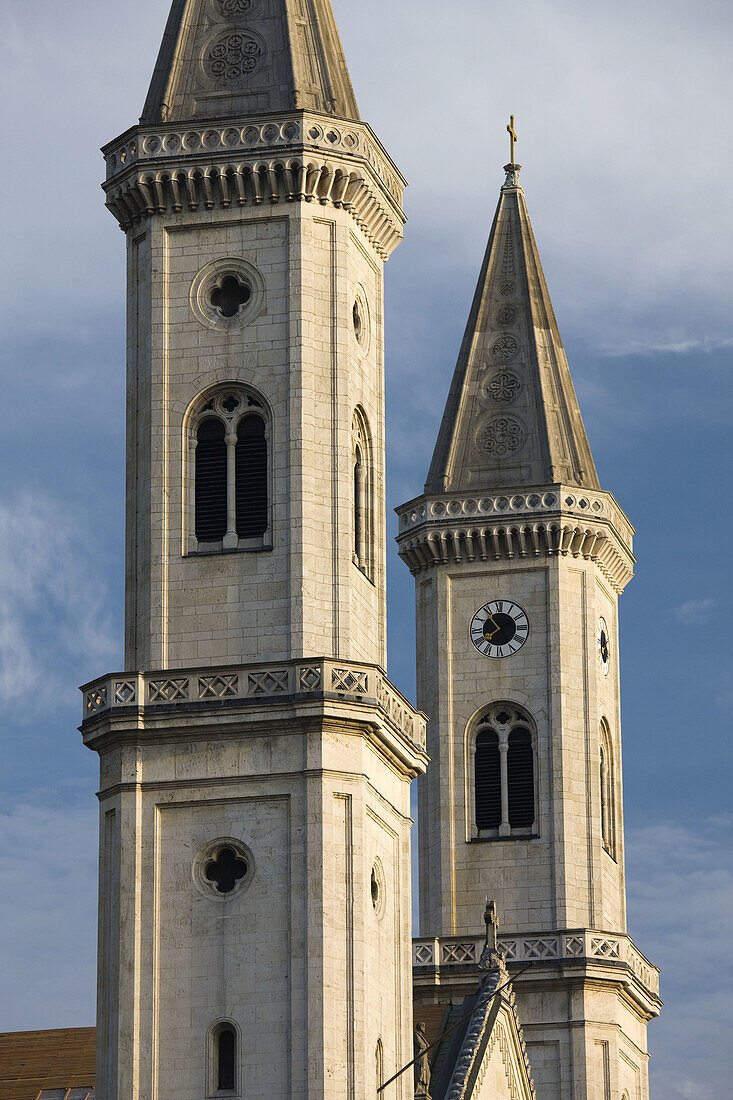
x=519 y=558
x=255 y=761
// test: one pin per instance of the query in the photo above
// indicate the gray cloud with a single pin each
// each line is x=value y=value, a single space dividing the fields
x=620 y=110
x=680 y=884
x=48 y=913
x=53 y=613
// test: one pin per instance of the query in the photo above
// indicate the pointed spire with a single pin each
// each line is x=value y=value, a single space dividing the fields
x=222 y=58
x=512 y=417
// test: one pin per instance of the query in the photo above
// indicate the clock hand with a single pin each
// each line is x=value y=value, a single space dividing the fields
x=494 y=631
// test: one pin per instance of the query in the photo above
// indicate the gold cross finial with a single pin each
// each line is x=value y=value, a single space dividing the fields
x=512 y=138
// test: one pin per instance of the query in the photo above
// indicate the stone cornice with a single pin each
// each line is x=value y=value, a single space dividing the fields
x=556 y=520
x=597 y=953
x=299 y=156
x=326 y=689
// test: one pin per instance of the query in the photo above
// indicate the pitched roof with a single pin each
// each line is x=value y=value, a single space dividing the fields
x=434 y=1017
x=32 y=1062
x=489 y=1057
x=221 y=58
x=446 y=1054
x=512 y=417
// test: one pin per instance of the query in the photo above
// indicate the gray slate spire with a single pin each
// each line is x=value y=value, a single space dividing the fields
x=512 y=417
x=222 y=58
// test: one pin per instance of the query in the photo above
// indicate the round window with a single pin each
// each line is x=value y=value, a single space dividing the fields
x=227 y=294
x=360 y=322
x=376 y=886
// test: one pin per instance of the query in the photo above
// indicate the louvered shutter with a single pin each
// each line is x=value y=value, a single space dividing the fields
x=251 y=478
x=211 y=481
x=520 y=768
x=488 y=781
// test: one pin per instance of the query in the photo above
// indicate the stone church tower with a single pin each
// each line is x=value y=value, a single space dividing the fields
x=255 y=761
x=519 y=558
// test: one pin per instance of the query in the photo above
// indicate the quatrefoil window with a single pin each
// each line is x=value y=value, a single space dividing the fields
x=226 y=870
x=223 y=868
x=230 y=296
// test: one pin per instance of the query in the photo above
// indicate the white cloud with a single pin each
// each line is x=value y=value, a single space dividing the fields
x=680 y=884
x=54 y=619
x=693 y=612
x=48 y=911
x=665 y=343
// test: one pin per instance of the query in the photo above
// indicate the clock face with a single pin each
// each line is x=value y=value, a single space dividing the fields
x=499 y=628
x=604 y=646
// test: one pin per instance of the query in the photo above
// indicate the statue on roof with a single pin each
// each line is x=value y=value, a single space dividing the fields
x=422 y=1064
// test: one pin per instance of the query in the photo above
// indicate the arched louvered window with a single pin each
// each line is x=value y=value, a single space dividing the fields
x=211 y=481
x=503 y=743
x=520 y=778
x=227 y=479
x=363 y=494
x=608 y=790
x=488 y=780
x=251 y=477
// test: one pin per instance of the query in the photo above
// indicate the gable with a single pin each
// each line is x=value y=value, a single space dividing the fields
x=492 y=1063
x=503 y=1073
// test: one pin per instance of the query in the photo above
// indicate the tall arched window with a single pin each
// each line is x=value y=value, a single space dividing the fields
x=362 y=522
x=226 y=1059
x=608 y=790
x=503 y=746
x=228 y=499
x=223 y=1060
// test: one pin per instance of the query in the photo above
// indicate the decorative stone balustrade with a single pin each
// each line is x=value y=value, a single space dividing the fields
x=323 y=679
x=442 y=530
x=295 y=157
x=584 y=945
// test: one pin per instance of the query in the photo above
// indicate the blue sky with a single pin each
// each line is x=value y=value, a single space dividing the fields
x=627 y=161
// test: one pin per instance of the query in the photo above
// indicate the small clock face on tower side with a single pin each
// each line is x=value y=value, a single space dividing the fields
x=604 y=646
x=499 y=628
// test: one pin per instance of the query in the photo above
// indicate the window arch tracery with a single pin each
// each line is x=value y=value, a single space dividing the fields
x=227 y=499
x=502 y=771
